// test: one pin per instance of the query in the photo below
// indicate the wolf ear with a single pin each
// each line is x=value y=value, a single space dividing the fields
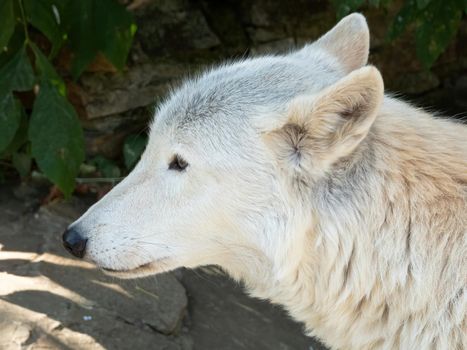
x=348 y=41
x=321 y=129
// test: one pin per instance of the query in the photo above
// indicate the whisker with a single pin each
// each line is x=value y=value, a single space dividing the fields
x=155 y=244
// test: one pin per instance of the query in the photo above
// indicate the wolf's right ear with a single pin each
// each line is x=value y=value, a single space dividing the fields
x=320 y=129
x=348 y=41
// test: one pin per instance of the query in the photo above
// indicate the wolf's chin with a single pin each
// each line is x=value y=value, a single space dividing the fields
x=144 y=270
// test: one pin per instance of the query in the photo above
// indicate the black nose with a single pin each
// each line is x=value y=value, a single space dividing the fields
x=74 y=242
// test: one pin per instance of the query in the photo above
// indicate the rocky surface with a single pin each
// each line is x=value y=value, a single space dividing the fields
x=48 y=300
x=51 y=301
x=177 y=38
x=222 y=317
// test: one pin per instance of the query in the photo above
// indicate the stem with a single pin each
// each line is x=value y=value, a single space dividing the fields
x=87 y=180
x=155 y=296
x=23 y=20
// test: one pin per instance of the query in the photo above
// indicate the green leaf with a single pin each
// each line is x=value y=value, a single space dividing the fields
x=82 y=34
x=379 y=3
x=385 y=3
x=404 y=17
x=17 y=74
x=116 y=29
x=14 y=45
x=102 y=25
x=133 y=147
x=56 y=138
x=438 y=25
x=106 y=167
x=344 y=7
x=7 y=17
x=10 y=118
x=21 y=136
x=47 y=71
x=45 y=16
x=421 y=4
x=22 y=163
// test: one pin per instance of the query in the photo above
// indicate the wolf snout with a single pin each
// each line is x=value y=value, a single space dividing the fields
x=74 y=242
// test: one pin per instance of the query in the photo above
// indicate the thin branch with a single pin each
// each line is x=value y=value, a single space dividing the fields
x=24 y=21
x=87 y=180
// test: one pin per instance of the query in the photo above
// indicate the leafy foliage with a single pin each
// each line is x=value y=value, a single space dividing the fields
x=38 y=125
x=17 y=74
x=49 y=134
x=132 y=149
x=106 y=167
x=436 y=22
x=344 y=7
x=107 y=23
x=10 y=118
x=60 y=156
x=6 y=9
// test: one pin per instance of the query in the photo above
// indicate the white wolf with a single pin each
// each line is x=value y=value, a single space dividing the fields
x=298 y=176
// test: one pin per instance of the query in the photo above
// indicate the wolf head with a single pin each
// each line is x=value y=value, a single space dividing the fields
x=232 y=160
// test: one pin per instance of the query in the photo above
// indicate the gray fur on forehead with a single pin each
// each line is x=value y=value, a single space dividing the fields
x=239 y=89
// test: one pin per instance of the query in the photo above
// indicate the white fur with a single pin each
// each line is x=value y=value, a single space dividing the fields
x=304 y=181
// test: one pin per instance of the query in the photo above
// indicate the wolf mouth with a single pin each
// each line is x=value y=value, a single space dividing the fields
x=146 y=269
x=127 y=270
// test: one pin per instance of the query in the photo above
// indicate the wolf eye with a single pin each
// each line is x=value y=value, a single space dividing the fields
x=178 y=163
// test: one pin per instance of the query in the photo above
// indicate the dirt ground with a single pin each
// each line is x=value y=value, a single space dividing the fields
x=48 y=300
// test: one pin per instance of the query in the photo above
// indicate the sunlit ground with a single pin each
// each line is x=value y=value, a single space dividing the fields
x=49 y=300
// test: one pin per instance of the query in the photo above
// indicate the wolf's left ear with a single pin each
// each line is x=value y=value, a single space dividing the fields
x=348 y=41
x=320 y=129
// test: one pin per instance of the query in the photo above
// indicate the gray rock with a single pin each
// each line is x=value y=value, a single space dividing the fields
x=170 y=28
x=461 y=92
x=265 y=34
x=417 y=82
x=222 y=316
x=48 y=300
x=274 y=47
x=107 y=94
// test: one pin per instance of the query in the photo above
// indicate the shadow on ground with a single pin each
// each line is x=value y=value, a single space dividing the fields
x=51 y=301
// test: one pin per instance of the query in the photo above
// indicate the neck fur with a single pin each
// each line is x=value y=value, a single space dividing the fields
x=357 y=274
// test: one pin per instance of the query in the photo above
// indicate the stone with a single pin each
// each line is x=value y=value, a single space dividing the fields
x=265 y=34
x=106 y=94
x=225 y=19
x=274 y=47
x=416 y=83
x=170 y=28
x=177 y=37
x=460 y=92
x=22 y=327
x=264 y=13
x=240 y=322
x=48 y=299
x=162 y=299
